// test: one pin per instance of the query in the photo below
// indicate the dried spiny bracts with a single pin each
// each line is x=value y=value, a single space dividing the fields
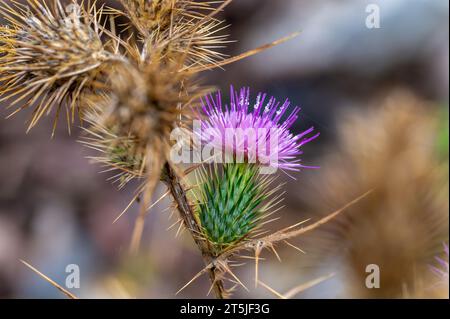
x=149 y=102
x=50 y=55
x=120 y=154
x=233 y=201
x=152 y=15
x=136 y=120
x=178 y=26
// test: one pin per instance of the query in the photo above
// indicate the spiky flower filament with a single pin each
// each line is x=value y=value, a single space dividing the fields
x=231 y=203
x=50 y=55
x=259 y=133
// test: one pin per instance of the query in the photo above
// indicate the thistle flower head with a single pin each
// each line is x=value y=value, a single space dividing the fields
x=235 y=197
x=256 y=134
x=49 y=55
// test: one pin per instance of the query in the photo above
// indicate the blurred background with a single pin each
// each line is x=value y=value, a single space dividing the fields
x=379 y=97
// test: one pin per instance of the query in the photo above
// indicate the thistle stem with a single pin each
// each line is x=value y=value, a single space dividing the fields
x=172 y=180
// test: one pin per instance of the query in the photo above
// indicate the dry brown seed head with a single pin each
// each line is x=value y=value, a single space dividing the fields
x=138 y=117
x=50 y=56
x=150 y=15
x=177 y=27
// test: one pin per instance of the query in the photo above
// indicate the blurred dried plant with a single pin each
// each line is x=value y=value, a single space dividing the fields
x=391 y=149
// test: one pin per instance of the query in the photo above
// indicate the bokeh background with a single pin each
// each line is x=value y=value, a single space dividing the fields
x=378 y=96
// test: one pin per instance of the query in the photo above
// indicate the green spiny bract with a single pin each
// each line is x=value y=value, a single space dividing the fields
x=230 y=203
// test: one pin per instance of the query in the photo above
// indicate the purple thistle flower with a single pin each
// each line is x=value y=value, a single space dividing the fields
x=443 y=268
x=229 y=129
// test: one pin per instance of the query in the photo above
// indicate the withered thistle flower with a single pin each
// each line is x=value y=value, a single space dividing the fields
x=153 y=15
x=391 y=150
x=133 y=125
x=178 y=27
x=50 y=55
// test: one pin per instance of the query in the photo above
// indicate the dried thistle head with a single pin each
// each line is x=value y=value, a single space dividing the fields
x=178 y=28
x=134 y=123
x=390 y=149
x=50 y=55
x=151 y=15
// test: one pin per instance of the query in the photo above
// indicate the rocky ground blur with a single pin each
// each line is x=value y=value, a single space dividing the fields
x=56 y=209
